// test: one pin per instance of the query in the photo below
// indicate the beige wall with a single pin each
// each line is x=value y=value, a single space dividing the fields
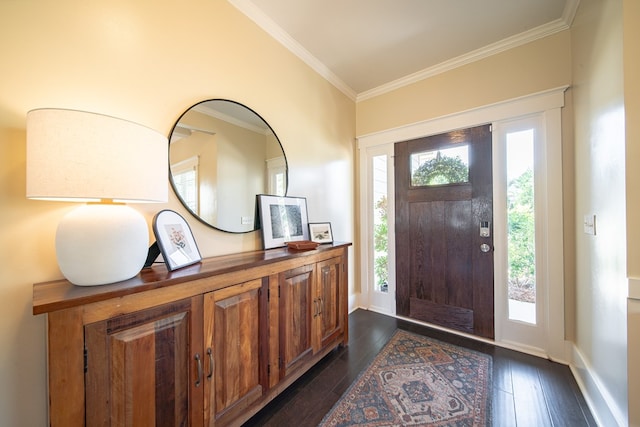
x=144 y=61
x=631 y=9
x=601 y=280
x=631 y=53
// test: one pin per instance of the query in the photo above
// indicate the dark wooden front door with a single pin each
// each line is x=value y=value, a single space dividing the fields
x=444 y=275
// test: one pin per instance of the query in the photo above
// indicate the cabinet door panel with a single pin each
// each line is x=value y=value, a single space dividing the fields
x=139 y=368
x=296 y=302
x=329 y=288
x=238 y=362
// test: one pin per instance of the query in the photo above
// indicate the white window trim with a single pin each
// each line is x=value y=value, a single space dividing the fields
x=189 y=164
x=366 y=225
x=275 y=166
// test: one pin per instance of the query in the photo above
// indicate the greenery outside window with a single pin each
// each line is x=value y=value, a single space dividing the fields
x=440 y=167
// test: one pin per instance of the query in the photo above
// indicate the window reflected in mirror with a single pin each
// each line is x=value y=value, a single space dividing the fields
x=185 y=180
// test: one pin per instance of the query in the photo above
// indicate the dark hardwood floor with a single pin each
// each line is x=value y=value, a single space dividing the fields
x=527 y=390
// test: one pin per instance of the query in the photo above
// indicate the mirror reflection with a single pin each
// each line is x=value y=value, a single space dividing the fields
x=221 y=155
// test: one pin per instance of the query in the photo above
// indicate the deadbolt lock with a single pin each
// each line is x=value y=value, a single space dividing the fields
x=485 y=230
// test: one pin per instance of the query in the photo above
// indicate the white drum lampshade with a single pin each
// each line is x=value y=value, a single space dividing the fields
x=87 y=157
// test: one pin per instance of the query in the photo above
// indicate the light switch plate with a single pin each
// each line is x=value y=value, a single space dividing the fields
x=590 y=224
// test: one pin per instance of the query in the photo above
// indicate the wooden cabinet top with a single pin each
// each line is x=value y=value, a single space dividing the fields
x=61 y=294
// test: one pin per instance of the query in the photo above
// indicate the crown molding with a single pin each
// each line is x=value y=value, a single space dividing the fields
x=266 y=130
x=473 y=56
x=570 y=10
x=248 y=8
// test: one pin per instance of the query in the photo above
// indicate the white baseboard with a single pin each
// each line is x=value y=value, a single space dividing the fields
x=602 y=405
x=353 y=302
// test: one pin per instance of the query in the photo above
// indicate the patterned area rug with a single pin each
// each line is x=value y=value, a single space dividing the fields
x=417 y=381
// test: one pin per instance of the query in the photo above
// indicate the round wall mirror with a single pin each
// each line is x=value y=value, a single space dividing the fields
x=221 y=155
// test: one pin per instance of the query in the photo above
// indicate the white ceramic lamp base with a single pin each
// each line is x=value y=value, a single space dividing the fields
x=97 y=244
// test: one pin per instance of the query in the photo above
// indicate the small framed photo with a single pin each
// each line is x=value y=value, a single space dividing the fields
x=320 y=232
x=175 y=240
x=282 y=220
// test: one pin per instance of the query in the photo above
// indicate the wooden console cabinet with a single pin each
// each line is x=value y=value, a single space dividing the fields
x=206 y=345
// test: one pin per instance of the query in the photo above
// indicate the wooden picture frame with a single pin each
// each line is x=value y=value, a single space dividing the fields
x=282 y=219
x=175 y=240
x=320 y=232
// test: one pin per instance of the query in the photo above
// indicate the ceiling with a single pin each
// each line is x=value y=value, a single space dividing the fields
x=367 y=47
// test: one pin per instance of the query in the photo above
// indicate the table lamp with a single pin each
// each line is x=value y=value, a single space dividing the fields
x=102 y=161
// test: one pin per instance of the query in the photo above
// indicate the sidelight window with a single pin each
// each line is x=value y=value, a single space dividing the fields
x=380 y=225
x=521 y=231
